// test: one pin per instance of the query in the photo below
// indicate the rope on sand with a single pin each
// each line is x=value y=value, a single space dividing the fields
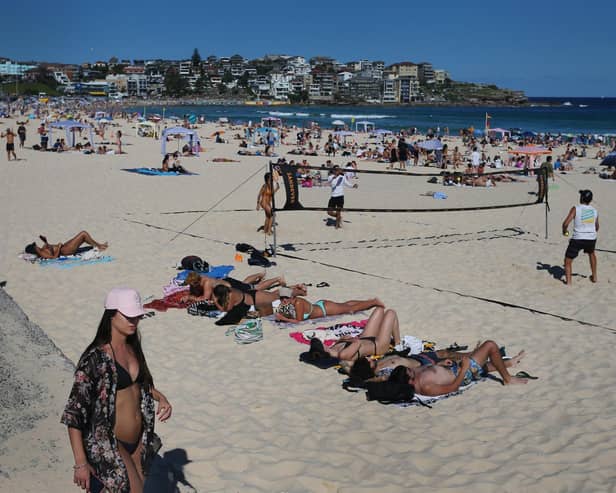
x=505 y=304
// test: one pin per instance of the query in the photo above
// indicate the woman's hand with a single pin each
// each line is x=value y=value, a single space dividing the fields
x=82 y=475
x=164 y=409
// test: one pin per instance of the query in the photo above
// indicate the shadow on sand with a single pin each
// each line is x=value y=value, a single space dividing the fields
x=167 y=472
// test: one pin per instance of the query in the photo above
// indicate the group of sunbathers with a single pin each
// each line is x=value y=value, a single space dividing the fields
x=430 y=373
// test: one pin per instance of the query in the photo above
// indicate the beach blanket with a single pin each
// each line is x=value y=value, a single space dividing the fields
x=215 y=271
x=88 y=257
x=156 y=172
x=329 y=335
x=330 y=320
x=171 y=301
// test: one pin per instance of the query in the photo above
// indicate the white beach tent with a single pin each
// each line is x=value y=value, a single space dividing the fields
x=70 y=127
x=492 y=132
x=366 y=126
x=145 y=129
x=182 y=133
x=260 y=133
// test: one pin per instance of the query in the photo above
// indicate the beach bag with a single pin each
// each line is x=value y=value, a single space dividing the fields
x=192 y=262
x=248 y=332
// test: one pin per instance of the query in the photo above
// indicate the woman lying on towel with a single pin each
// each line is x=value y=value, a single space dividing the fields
x=381 y=330
x=238 y=303
x=69 y=247
x=202 y=287
x=296 y=309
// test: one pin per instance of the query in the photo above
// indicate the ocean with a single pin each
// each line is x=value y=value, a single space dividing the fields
x=556 y=115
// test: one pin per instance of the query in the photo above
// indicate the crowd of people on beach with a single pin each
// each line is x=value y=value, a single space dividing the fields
x=113 y=403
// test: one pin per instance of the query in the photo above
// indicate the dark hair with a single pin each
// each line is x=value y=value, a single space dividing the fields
x=31 y=248
x=585 y=196
x=361 y=369
x=399 y=375
x=221 y=294
x=103 y=336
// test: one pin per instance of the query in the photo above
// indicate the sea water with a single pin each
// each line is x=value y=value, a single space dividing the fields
x=556 y=115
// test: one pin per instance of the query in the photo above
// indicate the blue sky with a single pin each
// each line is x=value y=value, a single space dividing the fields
x=546 y=48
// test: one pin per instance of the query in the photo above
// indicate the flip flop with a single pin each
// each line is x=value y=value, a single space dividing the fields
x=323 y=284
x=455 y=347
x=523 y=374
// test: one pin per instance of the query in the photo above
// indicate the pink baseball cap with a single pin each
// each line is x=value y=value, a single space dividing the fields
x=125 y=300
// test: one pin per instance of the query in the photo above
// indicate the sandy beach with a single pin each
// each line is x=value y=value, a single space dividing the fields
x=252 y=418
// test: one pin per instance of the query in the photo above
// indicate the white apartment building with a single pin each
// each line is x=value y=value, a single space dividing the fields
x=10 y=68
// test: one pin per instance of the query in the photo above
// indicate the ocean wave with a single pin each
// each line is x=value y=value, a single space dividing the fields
x=334 y=115
x=302 y=114
x=279 y=113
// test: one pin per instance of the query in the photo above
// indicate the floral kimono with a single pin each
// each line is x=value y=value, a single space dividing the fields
x=91 y=409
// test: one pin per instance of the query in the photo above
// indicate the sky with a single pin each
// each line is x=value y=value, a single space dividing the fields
x=545 y=48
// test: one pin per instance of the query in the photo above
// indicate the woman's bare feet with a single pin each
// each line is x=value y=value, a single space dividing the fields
x=102 y=246
x=593 y=279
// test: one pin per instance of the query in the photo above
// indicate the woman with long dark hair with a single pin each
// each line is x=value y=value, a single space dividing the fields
x=110 y=410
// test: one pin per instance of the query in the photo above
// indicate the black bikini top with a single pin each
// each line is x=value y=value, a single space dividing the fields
x=124 y=378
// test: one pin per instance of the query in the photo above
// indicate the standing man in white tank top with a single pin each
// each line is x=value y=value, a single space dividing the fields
x=585 y=226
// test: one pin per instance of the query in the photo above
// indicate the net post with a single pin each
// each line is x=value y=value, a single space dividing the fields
x=547 y=207
x=271 y=183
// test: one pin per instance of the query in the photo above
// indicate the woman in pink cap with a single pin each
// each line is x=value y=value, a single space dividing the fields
x=110 y=410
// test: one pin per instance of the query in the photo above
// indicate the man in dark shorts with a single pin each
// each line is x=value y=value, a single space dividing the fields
x=337 y=181
x=10 y=143
x=585 y=226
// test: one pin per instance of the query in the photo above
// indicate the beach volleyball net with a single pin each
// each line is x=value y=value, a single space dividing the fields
x=308 y=189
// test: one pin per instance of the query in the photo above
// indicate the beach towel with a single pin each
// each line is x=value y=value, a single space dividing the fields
x=156 y=172
x=86 y=257
x=217 y=272
x=329 y=335
x=171 y=301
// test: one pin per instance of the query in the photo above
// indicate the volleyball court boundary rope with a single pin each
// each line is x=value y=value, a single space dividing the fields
x=377 y=276
x=505 y=304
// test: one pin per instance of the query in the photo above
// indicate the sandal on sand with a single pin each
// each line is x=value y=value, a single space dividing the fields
x=323 y=284
x=523 y=374
x=455 y=347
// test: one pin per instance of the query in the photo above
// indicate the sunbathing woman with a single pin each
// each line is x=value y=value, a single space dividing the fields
x=265 y=201
x=202 y=287
x=70 y=247
x=237 y=303
x=296 y=309
x=381 y=330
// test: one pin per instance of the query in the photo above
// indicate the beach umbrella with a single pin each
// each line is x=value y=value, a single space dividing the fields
x=531 y=150
x=338 y=123
x=609 y=160
x=431 y=145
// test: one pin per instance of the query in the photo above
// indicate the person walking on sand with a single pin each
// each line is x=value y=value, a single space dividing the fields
x=337 y=181
x=10 y=143
x=21 y=131
x=265 y=201
x=585 y=226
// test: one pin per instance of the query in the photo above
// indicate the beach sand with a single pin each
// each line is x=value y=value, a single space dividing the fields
x=252 y=418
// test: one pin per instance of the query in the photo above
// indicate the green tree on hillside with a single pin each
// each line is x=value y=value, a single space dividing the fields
x=196 y=58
